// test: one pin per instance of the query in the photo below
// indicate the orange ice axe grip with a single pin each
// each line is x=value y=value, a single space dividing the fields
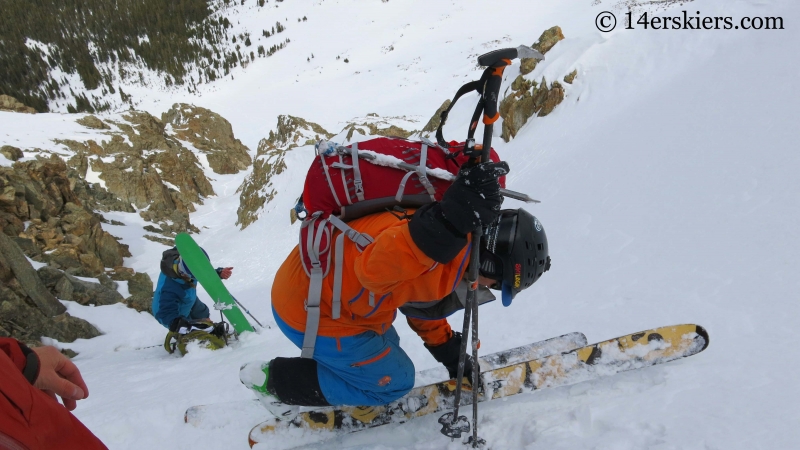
x=490 y=112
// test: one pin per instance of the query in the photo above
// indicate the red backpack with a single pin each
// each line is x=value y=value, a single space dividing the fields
x=346 y=183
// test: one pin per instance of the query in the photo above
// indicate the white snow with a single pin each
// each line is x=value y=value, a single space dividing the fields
x=35 y=264
x=253 y=374
x=94 y=177
x=669 y=188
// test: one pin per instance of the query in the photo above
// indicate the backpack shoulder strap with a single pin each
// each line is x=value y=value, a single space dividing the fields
x=315 y=287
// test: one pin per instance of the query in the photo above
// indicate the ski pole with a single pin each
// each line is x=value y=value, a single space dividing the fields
x=496 y=62
x=248 y=312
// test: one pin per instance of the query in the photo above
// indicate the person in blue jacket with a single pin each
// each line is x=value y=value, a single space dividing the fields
x=175 y=302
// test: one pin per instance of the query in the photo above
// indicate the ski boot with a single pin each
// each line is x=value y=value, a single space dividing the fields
x=254 y=375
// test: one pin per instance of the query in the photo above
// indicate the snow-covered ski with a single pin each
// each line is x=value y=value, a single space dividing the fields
x=218 y=414
x=632 y=351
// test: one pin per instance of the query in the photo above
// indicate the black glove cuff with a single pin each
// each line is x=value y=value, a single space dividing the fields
x=434 y=235
x=448 y=354
x=294 y=381
x=31 y=371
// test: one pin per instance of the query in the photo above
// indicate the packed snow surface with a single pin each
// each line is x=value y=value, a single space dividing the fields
x=669 y=187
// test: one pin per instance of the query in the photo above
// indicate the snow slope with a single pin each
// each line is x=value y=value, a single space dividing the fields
x=669 y=195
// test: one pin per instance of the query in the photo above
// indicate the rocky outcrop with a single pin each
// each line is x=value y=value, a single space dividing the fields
x=527 y=98
x=24 y=322
x=140 y=286
x=93 y=122
x=68 y=287
x=12 y=153
x=258 y=189
x=95 y=197
x=546 y=41
x=59 y=231
x=149 y=169
x=28 y=311
x=294 y=132
x=9 y=103
x=375 y=126
x=50 y=212
x=44 y=219
x=211 y=134
x=19 y=270
x=436 y=119
x=570 y=77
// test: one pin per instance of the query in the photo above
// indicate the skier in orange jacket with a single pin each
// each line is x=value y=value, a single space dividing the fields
x=416 y=266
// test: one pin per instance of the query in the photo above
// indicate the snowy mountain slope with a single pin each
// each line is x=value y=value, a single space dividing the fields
x=669 y=195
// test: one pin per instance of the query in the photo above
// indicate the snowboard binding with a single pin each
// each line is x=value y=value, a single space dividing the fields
x=214 y=337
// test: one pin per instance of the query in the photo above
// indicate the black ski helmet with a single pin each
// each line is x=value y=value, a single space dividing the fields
x=514 y=252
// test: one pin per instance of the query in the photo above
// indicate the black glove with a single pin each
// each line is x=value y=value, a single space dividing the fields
x=440 y=229
x=182 y=325
x=448 y=353
x=178 y=323
x=474 y=199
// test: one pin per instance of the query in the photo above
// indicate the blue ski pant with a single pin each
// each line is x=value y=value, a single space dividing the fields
x=368 y=369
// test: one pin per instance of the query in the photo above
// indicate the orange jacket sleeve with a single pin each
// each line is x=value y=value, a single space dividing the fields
x=432 y=332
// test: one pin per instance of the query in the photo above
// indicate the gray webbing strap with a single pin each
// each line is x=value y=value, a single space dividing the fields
x=322 y=230
x=336 y=306
x=399 y=196
x=314 y=290
x=361 y=239
x=429 y=142
x=341 y=165
x=357 y=172
x=315 y=287
x=309 y=223
x=422 y=171
x=371 y=299
x=312 y=318
x=330 y=183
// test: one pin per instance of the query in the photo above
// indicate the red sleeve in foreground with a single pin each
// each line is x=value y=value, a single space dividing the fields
x=11 y=347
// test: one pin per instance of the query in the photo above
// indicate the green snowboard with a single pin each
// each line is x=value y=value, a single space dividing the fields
x=201 y=268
